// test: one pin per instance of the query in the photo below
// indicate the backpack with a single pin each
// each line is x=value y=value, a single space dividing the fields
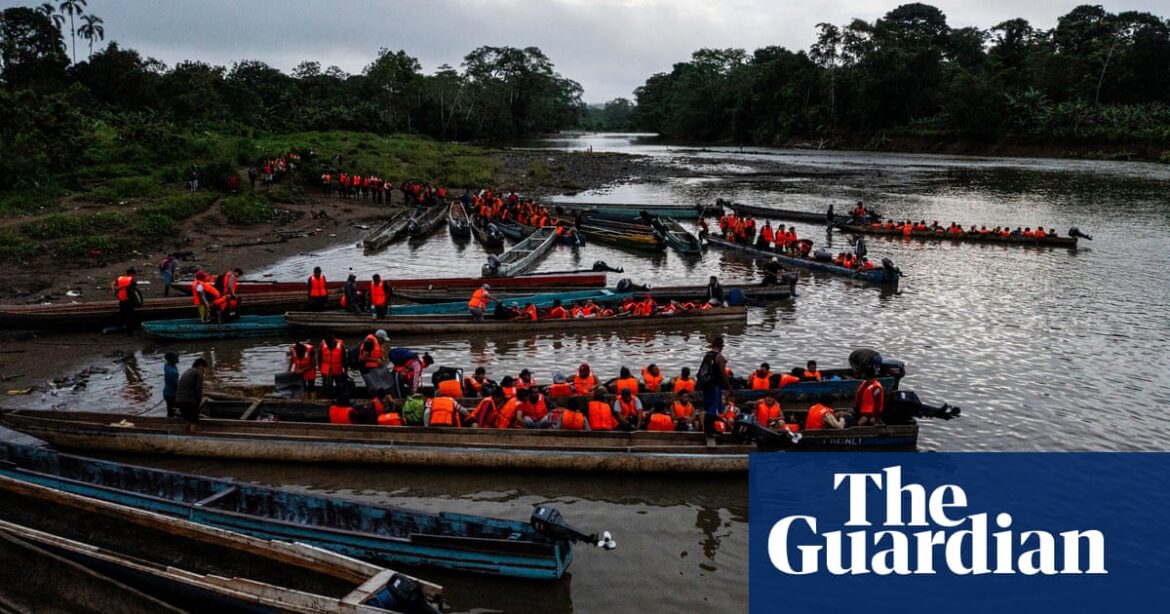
x=413 y=410
x=400 y=356
x=706 y=375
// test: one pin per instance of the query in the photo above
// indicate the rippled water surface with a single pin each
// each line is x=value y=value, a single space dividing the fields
x=1045 y=349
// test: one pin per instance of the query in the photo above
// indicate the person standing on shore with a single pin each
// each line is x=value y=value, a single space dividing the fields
x=170 y=382
x=713 y=379
x=189 y=393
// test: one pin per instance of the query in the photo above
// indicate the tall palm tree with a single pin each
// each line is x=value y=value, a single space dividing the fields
x=48 y=10
x=72 y=8
x=91 y=29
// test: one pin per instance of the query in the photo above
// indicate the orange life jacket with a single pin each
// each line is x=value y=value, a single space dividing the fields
x=787 y=378
x=758 y=382
x=390 y=418
x=681 y=385
x=601 y=416
x=557 y=313
x=339 y=414
x=332 y=361
x=816 y=417
x=531 y=313
x=869 y=403
x=375 y=355
x=304 y=364
x=683 y=411
x=450 y=388
x=378 y=294
x=537 y=411
x=766 y=413
x=626 y=383
x=560 y=390
x=123 y=287
x=584 y=386
x=660 y=422
x=317 y=288
x=471 y=382
x=653 y=382
x=812 y=376
x=572 y=420
x=507 y=414
x=478 y=300
x=628 y=408
x=443 y=412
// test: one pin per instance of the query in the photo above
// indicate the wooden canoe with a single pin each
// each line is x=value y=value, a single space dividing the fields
x=678 y=238
x=390 y=231
x=618 y=211
x=523 y=255
x=466 y=448
x=344 y=323
x=533 y=280
x=753 y=293
x=194 y=328
x=488 y=236
x=644 y=239
x=457 y=223
x=189 y=565
x=380 y=534
x=99 y=314
x=425 y=221
x=791 y=215
x=971 y=237
x=881 y=276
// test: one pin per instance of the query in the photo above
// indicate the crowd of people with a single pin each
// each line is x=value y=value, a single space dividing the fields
x=394 y=394
x=908 y=227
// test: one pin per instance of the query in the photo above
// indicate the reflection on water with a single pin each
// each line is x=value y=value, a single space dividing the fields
x=1045 y=349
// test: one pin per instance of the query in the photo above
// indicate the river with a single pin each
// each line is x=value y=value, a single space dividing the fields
x=1044 y=349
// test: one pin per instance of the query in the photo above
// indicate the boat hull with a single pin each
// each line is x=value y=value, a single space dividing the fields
x=924 y=235
x=874 y=276
x=568 y=278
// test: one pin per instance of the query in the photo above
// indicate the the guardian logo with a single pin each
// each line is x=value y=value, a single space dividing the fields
x=949 y=540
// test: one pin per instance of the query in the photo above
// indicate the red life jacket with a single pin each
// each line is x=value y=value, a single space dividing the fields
x=660 y=422
x=443 y=412
x=816 y=417
x=317 y=288
x=601 y=416
x=378 y=294
x=332 y=361
x=123 y=287
x=339 y=414
x=572 y=420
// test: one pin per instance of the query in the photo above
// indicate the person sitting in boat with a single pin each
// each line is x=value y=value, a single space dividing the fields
x=388 y=413
x=587 y=310
x=955 y=229
x=729 y=415
x=768 y=412
x=627 y=408
x=810 y=372
x=1028 y=234
x=646 y=307
x=560 y=387
x=442 y=410
x=652 y=378
x=601 y=415
x=557 y=312
x=1040 y=234
x=535 y=412
x=659 y=419
x=625 y=380
x=474 y=386
x=629 y=306
x=683 y=382
x=761 y=379
x=683 y=411
x=530 y=312
x=866 y=264
x=704 y=230
x=584 y=382
x=792 y=377
x=302 y=362
x=822 y=417
x=525 y=380
x=570 y=418
x=487 y=412
x=869 y=401
x=340 y=410
x=351 y=297
x=508 y=385
x=772 y=272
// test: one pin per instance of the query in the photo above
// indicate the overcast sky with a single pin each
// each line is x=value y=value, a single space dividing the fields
x=608 y=46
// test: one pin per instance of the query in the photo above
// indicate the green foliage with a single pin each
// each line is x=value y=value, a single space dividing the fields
x=14 y=246
x=156 y=224
x=41 y=135
x=124 y=188
x=287 y=193
x=60 y=225
x=81 y=246
x=29 y=199
x=246 y=209
x=538 y=172
x=181 y=206
x=1165 y=157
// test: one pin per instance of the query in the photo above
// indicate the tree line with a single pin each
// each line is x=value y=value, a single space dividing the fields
x=1095 y=76
x=498 y=92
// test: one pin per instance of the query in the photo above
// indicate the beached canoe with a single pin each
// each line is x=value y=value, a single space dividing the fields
x=642 y=238
x=493 y=449
x=752 y=293
x=971 y=237
x=380 y=534
x=425 y=221
x=349 y=324
x=457 y=223
x=533 y=280
x=393 y=229
x=619 y=211
x=179 y=565
x=488 y=236
x=678 y=238
x=881 y=276
x=523 y=255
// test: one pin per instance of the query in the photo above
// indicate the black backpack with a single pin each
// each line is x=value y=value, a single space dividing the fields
x=706 y=375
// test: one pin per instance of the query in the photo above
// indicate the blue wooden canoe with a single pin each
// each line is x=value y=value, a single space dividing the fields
x=622 y=211
x=458 y=542
x=193 y=328
x=880 y=276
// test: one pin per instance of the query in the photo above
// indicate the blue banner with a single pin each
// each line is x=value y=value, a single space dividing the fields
x=958 y=533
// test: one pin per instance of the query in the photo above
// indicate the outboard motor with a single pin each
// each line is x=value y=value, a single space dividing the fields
x=548 y=522
x=859 y=248
x=788 y=278
x=492 y=267
x=903 y=405
x=747 y=430
x=404 y=594
x=1076 y=232
x=888 y=265
x=600 y=265
x=892 y=368
x=412 y=227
